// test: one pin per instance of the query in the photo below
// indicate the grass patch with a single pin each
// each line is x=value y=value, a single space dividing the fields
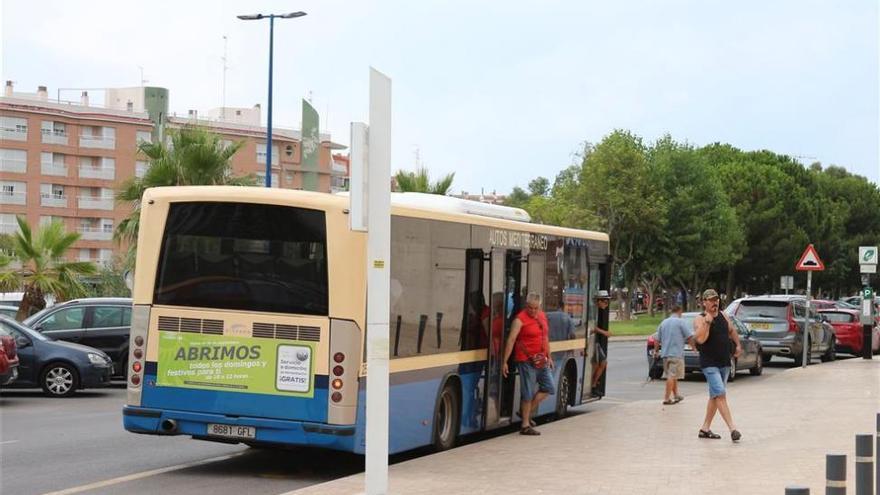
x=644 y=325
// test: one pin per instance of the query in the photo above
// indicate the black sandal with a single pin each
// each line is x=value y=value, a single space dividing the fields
x=709 y=434
x=528 y=430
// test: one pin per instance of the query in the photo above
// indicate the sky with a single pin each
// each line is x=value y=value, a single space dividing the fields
x=498 y=92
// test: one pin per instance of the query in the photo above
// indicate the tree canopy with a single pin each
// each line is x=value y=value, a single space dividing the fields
x=420 y=181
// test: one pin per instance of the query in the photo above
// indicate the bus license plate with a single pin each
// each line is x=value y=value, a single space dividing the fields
x=231 y=431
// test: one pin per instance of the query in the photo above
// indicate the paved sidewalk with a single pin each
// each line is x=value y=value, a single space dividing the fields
x=789 y=422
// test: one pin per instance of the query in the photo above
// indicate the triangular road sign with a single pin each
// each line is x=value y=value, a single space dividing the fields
x=810 y=261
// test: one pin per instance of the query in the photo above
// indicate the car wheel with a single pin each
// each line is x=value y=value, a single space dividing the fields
x=59 y=380
x=562 y=393
x=758 y=370
x=829 y=354
x=446 y=418
x=732 y=376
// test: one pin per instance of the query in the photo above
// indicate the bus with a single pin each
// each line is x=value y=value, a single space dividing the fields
x=249 y=312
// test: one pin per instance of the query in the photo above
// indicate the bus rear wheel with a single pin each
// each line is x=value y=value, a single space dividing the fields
x=446 y=418
x=562 y=395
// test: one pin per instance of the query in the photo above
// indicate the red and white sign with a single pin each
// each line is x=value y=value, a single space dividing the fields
x=810 y=261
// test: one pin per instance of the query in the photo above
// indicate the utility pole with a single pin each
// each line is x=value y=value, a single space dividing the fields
x=223 y=91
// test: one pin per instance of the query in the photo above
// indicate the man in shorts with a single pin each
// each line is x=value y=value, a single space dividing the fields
x=599 y=358
x=669 y=344
x=713 y=333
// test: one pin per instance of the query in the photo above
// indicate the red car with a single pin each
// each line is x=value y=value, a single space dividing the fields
x=8 y=359
x=848 y=331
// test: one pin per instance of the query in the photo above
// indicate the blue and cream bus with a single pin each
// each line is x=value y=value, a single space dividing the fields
x=250 y=309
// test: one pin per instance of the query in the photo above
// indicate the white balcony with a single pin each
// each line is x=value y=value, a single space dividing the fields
x=97 y=142
x=8 y=228
x=49 y=168
x=13 y=198
x=54 y=137
x=53 y=200
x=106 y=173
x=13 y=165
x=95 y=203
x=339 y=169
x=14 y=134
x=95 y=234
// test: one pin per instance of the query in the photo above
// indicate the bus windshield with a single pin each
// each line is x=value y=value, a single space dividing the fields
x=253 y=257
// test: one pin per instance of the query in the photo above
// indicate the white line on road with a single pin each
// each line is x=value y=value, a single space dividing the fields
x=145 y=474
x=9 y=441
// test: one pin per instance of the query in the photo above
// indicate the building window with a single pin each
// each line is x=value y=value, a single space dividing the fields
x=261 y=153
x=140 y=168
x=144 y=137
x=13 y=161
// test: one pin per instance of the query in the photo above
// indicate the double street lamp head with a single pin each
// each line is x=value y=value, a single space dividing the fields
x=256 y=17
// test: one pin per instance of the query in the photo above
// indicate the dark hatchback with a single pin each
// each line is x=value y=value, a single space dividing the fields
x=59 y=368
x=750 y=359
x=101 y=322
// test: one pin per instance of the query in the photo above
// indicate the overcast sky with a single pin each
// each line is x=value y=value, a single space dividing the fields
x=497 y=92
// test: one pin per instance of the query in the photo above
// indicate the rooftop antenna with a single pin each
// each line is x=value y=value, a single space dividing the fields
x=223 y=91
x=310 y=96
x=142 y=76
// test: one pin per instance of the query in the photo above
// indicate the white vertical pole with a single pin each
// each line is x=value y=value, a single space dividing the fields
x=378 y=282
x=807 y=324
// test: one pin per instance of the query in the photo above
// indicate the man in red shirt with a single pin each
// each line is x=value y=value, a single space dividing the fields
x=530 y=344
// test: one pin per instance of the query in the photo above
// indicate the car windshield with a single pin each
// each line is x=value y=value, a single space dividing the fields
x=19 y=330
x=835 y=317
x=763 y=309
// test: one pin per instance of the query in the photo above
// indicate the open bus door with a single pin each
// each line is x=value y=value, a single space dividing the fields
x=505 y=283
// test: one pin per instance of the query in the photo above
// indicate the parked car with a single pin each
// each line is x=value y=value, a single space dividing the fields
x=778 y=322
x=8 y=358
x=9 y=311
x=59 y=368
x=101 y=322
x=848 y=331
x=750 y=359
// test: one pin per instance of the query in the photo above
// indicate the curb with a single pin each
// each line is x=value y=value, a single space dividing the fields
x=628 y=338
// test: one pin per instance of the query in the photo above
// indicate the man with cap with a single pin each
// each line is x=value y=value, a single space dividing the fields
x=599 y=358
x=713 y=332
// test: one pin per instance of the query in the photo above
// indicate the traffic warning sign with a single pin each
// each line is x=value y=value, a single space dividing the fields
x=810 y=261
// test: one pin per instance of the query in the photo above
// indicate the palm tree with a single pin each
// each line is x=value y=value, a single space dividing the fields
x=419 y=181
x=41 y=267
x=194 y=157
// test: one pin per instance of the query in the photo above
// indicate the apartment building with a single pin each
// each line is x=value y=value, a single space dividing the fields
x=64 y=160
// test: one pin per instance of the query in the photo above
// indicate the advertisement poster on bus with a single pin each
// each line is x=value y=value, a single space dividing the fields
x=235 y=364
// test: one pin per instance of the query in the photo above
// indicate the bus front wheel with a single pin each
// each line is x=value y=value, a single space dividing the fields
x=446 y=418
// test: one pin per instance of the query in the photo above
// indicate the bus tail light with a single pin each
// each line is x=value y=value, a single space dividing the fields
x=343 y=365
x=140 y=324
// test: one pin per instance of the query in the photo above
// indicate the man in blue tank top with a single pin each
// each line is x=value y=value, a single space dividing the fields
x=713 y=332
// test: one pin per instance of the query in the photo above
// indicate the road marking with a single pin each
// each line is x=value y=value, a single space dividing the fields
x=145 y=474
x=9 y=441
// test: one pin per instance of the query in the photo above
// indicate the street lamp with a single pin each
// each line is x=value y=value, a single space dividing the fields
x=271 y=17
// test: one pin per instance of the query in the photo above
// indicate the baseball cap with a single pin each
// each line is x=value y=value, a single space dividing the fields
x=710 y=294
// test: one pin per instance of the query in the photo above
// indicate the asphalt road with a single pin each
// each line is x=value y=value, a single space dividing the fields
x=78 y=445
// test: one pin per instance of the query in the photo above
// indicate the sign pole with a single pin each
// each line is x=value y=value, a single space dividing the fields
x=807 y=325
x=378 y=282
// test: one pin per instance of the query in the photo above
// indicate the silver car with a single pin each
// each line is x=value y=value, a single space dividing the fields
x=778 y=323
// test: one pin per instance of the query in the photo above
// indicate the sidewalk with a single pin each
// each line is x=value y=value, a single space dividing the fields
x=789 y=422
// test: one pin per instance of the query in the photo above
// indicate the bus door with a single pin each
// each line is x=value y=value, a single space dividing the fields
x=505 y=289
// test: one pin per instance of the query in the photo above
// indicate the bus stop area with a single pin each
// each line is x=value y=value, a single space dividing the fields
x=789 y=423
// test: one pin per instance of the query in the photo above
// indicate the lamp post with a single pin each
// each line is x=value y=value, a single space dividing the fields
x=271 y=17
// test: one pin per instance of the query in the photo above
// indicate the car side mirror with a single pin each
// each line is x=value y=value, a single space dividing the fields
x=22 y=342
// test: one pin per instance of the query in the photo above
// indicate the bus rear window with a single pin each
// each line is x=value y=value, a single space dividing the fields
x=249 y=257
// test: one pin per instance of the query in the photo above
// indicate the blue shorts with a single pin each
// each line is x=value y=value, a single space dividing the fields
x=533 y=380
x=716 y=378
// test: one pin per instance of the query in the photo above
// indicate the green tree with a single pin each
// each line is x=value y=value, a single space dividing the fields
x=38 y=267
x=194 y=157
x=420 y=181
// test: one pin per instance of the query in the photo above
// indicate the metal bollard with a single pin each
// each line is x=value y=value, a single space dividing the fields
x=864 y=465
x=835 y=474
x=797 y=490
x=423 y=320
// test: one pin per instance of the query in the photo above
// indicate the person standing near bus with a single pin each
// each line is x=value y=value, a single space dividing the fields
x=600 y=358
x=669 y=345
x=713 y=332
x=530 y=344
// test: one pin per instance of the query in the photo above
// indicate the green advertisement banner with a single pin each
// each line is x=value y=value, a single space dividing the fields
x=311 y=146
x=236 y=364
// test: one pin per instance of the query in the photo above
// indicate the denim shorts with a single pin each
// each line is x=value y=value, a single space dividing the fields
x=716 y=378
x=533 y=380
